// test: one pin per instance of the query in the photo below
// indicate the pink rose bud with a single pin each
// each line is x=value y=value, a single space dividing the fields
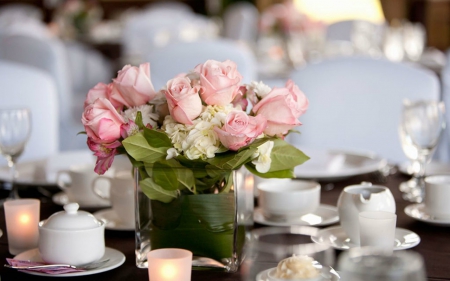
x=281 y=107
x=240 y=129
x=133 y=86
x=101 y=121
x=220 y=81
x=183 y=100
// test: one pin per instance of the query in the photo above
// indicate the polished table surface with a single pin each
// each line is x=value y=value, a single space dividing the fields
x=434 y=245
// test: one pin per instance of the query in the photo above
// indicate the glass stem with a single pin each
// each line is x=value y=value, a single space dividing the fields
x=14 y=193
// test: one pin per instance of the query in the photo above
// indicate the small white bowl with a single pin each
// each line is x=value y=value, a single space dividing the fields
x=72 y=237
x=286 y=199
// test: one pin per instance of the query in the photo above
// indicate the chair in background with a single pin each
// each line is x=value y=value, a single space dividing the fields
x=49 y=55
x=355 y=103
x=25 y=86
x=443 y=150
x=240 y=22
x=157 y=28
x=166 y=63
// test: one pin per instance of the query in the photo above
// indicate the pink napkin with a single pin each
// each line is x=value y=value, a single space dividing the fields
x=53 y=270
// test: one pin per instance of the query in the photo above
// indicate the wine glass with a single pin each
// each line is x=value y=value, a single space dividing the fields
x=370 y=264
x=422 y=123
x=15 y=129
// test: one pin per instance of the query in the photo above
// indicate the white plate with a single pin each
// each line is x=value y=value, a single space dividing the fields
x=43 y=171
x=432 y=168
x=62 y=199
x=338 y=239
x=116 y=259
x=418 y=212
x=112 y=221
x=324 y=215
x=337 y=164
x=328 y=274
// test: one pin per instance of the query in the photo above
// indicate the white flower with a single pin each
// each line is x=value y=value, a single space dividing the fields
x=260 y=89
x=263 y=160
x=171 y=153
x=148 y=116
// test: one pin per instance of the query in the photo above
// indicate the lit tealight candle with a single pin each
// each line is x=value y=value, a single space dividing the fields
x=169 y=265
x=22 y=218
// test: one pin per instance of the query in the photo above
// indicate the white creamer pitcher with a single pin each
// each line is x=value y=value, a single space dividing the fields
x=358 y=198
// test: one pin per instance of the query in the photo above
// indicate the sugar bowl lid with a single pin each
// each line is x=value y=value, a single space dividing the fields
x=72 y=219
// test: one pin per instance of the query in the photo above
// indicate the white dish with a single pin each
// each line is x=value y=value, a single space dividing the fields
x=338 y=239
x=61 y=198
x=324 y=215
x=116 y=259
x=112 y=221
x=328 y=274
x=418 y=212
x=432 y=168
x=337 y=164
x=43 y=171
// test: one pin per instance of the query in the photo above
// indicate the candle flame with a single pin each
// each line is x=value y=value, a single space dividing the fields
x=24 y=218
x=168 y=271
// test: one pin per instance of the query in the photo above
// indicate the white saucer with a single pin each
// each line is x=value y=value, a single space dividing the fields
x=432 y=168
x=338 y=239
x=324 y=215
x=418 y=212
x=62 y=199
x=116 y=259
x=112 y=221
x=328 y=274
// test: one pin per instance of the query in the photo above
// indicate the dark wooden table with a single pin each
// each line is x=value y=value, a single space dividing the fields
x=434 y=245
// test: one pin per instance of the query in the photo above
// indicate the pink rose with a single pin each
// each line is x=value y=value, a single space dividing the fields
x=102 y=121
x=133 y=86
x=281 y=107
x=100 y=90
x=183 y=100
x=240 y=99
x=240 y=129
x=219 y=80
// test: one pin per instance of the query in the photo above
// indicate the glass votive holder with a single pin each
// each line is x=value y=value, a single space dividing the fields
x=169 y=264
x=377 y=229
x=269 y=246
x=22 y=218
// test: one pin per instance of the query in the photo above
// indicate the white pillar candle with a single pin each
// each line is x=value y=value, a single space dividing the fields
x=169 y=265
x=22 y=218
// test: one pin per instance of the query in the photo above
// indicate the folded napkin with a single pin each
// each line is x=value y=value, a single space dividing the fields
x=52 y=270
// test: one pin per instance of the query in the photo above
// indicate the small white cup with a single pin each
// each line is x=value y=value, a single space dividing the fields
x=286 y=199
x=120 y=194
x=437 y=196
x=76 y=182
x=377 y=230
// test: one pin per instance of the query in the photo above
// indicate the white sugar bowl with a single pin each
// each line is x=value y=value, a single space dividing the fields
x=71 y=236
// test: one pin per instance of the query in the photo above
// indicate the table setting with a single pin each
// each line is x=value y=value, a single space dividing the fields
x=171 y=193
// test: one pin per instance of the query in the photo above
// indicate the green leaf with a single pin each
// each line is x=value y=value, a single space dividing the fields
x=275 y=174
x=81 y=133
x=165 y=176
x=157 y=139
x=138 y=147
x=231 y=160
x=156 y=192
x=139 y=121
x=228 y=183
x=285 y=156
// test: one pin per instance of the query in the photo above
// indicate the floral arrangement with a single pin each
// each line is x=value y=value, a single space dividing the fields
x=196 y=129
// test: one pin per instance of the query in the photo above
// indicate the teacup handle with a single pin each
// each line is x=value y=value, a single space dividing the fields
x=59 y=181
x=97 y=191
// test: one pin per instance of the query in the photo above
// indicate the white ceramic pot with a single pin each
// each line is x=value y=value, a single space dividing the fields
x=358 y=198
x=71 y=236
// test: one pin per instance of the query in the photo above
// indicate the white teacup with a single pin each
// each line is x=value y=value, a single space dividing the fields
x=120 y=194
x=437 y=196
x=286 y=199
x=76 y=182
